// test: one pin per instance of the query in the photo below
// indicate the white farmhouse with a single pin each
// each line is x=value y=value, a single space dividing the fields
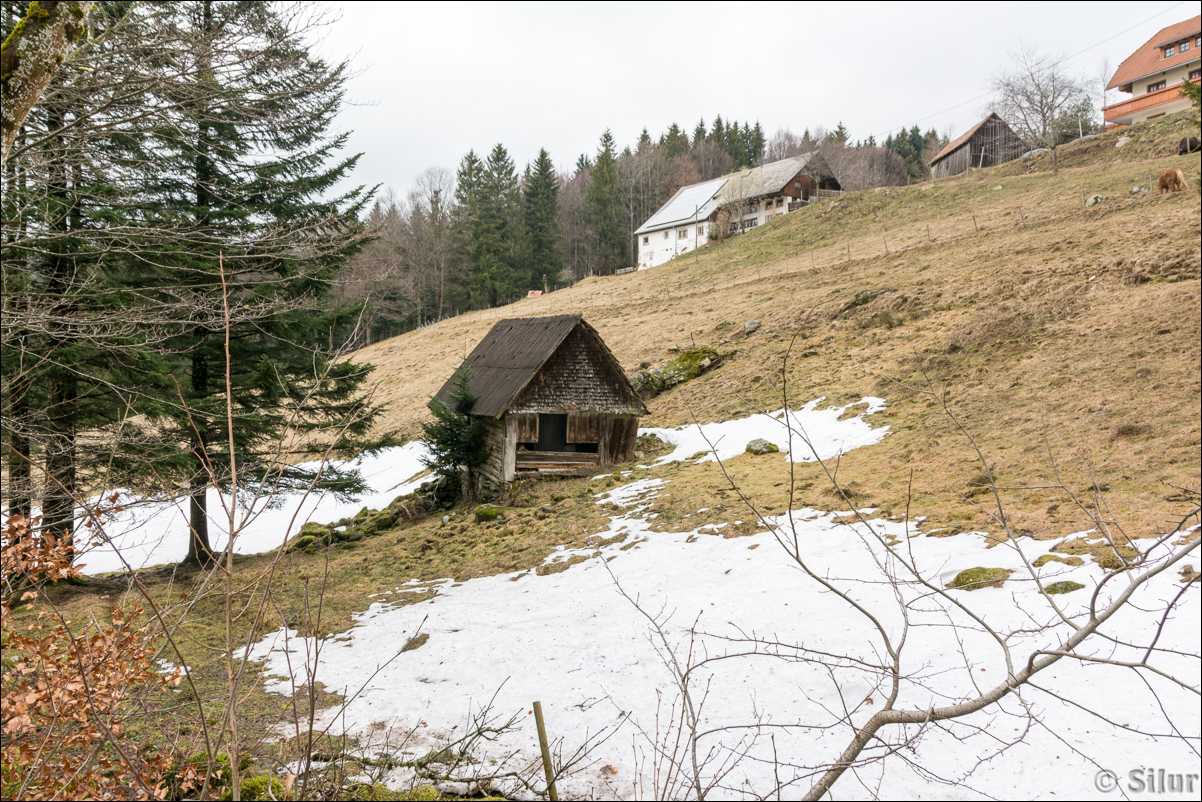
x=680 y=225
x=728 y=205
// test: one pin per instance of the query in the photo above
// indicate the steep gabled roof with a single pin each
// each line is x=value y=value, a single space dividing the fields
x=699 y=201
x=960 y=140
x=766 y=179
x=1147 y=60
x=692 y=202
x=511 y=354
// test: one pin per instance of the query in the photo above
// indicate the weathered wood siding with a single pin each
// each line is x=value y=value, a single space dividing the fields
x=953 y=163
x=585 y=427
x=525 y=427
x=492 y=474
x=575 y=378
x=621 y=435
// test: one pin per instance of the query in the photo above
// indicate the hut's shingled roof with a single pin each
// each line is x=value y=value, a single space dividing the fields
x=512 y=353
x=1147 y=60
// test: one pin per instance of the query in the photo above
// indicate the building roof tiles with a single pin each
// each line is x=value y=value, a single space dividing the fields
x=1148 y=60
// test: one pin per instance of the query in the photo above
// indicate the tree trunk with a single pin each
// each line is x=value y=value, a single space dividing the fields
x=200 y=550
x=35 y=49
x=58 y=497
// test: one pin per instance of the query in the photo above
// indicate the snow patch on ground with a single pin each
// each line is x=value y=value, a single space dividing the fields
x=803 y=435
x=570 y=640
x=150 y=532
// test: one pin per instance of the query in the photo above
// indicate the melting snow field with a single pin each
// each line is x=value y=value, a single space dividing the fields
x=570 y=640
x=149 y=532
x=800 y=435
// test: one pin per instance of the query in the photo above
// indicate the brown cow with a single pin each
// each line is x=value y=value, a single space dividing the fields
x=1188 y=145
x=1172 y=181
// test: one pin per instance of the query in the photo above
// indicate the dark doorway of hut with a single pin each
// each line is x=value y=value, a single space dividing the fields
x=552 y=433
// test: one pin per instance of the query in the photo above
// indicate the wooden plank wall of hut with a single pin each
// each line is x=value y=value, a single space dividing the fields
x=954 y=163
x=621 y=435
x=491 y=476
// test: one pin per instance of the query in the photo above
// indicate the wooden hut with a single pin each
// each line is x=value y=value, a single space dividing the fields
x=987 y=143
x=553 y=398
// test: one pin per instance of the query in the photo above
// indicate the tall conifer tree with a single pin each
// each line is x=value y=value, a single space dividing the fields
x=541 y=207
x=605 y=208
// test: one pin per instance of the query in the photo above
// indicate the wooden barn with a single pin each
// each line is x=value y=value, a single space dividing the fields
x=987 y=143
x=553 y=398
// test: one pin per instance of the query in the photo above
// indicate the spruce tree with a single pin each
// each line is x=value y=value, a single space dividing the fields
x=540 y=201
x=757 y=144
x=466 y=216
x=454 y=439
x=248 y=168
x=605 y=208
x=495 y=275
x=187 y=145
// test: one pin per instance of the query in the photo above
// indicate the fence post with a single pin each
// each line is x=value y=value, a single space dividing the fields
x=546 y=750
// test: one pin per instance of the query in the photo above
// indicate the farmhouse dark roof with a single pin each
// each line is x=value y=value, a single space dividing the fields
x=512 y=353
x=960 y=140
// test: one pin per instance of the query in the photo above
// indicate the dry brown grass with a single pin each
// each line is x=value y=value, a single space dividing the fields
x=1048 y=324
x=1069 y=334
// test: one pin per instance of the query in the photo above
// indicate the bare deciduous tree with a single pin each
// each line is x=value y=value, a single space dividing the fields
x=879 y=649
x=1033 y=94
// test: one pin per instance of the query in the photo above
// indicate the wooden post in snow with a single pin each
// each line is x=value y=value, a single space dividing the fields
x=546 y=750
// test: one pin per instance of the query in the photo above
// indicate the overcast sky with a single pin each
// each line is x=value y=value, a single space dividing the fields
x=435 y=80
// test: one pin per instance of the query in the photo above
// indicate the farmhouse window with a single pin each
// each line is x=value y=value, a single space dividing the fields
x=682 y=233
x=780 y=202
x=1155 y=86
x=1195 y=74
x=646 y=240
x=665 y=235
x=1171 y=50
x=1185 y=46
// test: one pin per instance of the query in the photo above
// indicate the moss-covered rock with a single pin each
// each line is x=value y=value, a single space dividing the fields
x=302 y=542
x=761 y=446
x=487 y=512
x=1063 y=587
x=378 y=522
x=1050 y=558
x=687 y=366
x=977 y=578
x=259 y=787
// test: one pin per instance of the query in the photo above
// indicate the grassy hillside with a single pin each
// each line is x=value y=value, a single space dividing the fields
x=1061 y=336
x=1042 y=319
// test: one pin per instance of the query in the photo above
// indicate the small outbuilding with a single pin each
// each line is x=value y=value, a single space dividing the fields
x=553 y=398
x=990 y=142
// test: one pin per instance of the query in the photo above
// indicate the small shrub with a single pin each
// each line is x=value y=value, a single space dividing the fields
x=1129 y=430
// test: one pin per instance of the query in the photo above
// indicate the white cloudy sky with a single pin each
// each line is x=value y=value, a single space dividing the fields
x=436 y=80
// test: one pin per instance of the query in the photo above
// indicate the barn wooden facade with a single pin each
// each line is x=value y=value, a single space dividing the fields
x=553 y=398
x=988 y=143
